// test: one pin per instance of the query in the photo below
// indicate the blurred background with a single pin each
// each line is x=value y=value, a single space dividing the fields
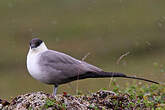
x=106 y=29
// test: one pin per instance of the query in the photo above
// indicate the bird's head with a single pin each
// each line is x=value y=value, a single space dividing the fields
x=37 y=45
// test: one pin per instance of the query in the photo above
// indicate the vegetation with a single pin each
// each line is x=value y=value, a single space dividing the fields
x=135 y=97
x=144 y=96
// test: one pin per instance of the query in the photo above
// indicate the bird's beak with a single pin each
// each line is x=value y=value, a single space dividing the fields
x=32 y=46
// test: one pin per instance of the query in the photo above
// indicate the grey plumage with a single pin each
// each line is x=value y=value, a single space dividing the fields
x=60 y=67
x=57 y=68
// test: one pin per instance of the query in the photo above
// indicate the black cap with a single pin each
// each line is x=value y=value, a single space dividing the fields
x=35 y=42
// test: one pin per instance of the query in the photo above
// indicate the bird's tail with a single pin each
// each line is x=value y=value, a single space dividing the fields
x=113 y=74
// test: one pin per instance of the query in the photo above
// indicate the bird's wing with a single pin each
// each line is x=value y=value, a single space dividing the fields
x=63 y=68
x=67 y=65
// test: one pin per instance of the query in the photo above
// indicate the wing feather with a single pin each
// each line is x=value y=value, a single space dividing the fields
x=62 y=67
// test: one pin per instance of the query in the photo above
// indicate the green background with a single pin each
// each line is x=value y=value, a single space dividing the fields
x=106 y=29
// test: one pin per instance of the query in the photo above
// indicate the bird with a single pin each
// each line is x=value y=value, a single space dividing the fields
x=56 y=68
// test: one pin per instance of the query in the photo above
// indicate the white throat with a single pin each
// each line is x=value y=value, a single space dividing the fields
x=32 y=60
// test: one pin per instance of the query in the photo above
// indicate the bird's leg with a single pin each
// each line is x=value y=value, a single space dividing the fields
x=55 y=90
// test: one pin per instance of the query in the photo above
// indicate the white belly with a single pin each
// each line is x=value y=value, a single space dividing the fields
x=33 y=67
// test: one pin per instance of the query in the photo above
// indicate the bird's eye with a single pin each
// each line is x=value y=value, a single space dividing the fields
x=37 y=44
x=34 y=43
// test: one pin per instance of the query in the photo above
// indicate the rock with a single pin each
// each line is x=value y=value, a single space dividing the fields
x=3 y=104
x=34 y=100
x=100 y=100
